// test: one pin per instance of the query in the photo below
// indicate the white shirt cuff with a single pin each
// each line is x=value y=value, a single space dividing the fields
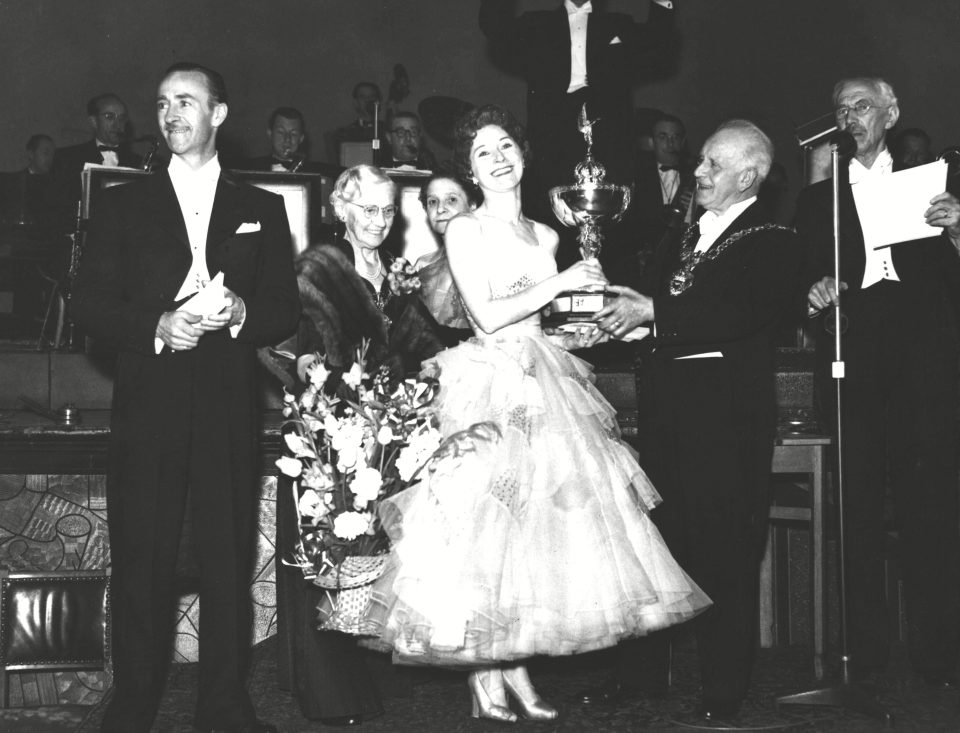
x=158 y=345
x=234 y=330
x=664 y=4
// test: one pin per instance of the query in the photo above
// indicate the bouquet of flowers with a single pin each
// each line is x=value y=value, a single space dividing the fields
x=348 y=451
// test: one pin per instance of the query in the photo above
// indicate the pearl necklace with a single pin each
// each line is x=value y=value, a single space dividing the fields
x=365 y=271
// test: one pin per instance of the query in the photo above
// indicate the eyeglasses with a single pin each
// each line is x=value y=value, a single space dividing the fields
x=403 y=132
x=371 y=210
x=860 y=109
x=111 y=116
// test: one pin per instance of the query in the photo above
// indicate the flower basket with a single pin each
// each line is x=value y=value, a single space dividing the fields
x=352 y=580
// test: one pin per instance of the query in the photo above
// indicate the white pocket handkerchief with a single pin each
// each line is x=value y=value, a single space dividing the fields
x=615 y=41
x=248 y=227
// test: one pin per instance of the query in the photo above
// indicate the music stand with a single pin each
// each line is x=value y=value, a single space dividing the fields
x=846 y=693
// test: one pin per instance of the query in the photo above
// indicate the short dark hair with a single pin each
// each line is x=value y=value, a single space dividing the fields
x=35 y=141
x=93 y=106
x=667 y=117
x=216 y=86
x=403 y=114
x=446 y=173
x=360 y=84
x=288 y=113
x=467 y=127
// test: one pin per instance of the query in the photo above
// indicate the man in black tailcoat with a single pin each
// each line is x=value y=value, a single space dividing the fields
x=185 y=409
x=899 y=395
x=707 y=412
x=569 y=56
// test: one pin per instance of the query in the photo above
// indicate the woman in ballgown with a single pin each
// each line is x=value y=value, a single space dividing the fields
x=539 y=542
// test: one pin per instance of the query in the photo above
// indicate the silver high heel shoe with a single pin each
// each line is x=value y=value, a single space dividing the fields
x=517 y=682
x=489 y=697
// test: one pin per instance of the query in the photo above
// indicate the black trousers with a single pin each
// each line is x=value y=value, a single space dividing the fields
x=709 y=456
x=899 y=400
x=178 y=424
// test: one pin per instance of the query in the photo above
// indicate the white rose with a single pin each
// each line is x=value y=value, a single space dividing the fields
x=421 y=445
x=366 y=486
x=289 y=466
x=331 y=426
x=311 y=505
x=350 y=525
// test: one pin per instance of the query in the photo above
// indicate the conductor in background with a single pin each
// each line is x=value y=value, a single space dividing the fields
x=185 y=409
x=573 y=55
x=899 y=394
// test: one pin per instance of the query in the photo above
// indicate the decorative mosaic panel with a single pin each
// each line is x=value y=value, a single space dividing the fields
x=60 y=523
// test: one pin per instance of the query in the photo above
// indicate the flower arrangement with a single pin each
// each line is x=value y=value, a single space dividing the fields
x=403 y=277
x=350 y=450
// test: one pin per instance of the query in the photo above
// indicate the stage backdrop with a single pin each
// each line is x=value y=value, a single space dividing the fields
x=773 y=61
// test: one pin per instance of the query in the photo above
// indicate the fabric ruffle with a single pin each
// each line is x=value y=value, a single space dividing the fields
x=539 y=543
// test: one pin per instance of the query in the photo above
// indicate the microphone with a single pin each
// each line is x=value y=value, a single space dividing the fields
x=845 y=143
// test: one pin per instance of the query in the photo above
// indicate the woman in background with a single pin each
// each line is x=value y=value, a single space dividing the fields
x=443 y=196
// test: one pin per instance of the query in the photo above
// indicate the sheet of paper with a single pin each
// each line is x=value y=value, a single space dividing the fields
x=891 y=207
x=207 y=301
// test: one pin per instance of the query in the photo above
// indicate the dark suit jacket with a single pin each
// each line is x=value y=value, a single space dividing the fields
x=138 y=254
x=923 y=264
x=66 y=186
x=734 y=306
x=646 y=206
x=536 y=46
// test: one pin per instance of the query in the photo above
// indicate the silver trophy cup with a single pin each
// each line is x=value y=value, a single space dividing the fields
x=587 y=204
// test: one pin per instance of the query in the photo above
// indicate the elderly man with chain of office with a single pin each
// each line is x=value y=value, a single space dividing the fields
x=899 y=395
x=714 y=296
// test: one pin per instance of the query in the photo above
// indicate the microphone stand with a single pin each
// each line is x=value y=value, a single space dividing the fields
x=846 y=694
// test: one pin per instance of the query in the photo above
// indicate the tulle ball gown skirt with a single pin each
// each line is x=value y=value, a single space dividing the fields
x=539 y=543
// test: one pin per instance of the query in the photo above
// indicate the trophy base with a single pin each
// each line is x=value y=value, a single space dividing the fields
x=574 y=306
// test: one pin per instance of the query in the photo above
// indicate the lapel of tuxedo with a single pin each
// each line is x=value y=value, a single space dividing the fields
x=561 y=32
x=225 y=218
x=165 y=209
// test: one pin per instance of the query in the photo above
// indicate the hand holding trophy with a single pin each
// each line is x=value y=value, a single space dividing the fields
x=587 y=204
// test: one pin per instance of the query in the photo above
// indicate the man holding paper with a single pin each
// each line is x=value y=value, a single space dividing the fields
x=187 y=272
x=899 y=284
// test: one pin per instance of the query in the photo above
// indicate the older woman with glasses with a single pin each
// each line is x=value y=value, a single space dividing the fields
x=347 y=296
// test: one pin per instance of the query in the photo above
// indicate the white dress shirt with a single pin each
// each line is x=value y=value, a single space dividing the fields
x=712 y=225
x=669 y=182
x=578 y=43
x=110 y=157
x=578 y=40
x=196 y=190
x=878 y=264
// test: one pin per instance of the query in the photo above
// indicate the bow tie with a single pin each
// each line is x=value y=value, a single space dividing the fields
x=669 y=167
x=288 y=164
x=111 y=148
